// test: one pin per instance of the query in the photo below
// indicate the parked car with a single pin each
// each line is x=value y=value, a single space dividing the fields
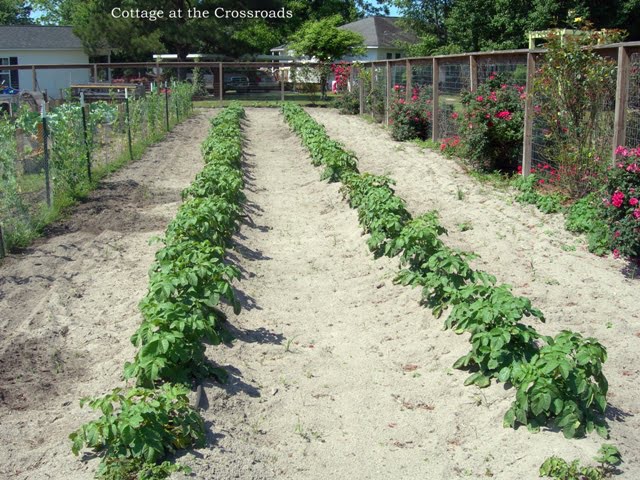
x=234 y=81
x=262 y=81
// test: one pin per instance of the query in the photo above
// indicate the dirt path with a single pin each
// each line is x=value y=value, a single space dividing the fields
x=69 y=305
x=338 y=373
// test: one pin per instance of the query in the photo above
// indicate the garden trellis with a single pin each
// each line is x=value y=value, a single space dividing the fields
x=47 y=159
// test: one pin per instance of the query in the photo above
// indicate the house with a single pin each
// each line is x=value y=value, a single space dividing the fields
x=382 y=36
x=35 y=44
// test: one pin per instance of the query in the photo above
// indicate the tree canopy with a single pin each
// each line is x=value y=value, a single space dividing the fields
x=472 y=25
x=323 y=40
x=444 y=26
x=15 y=12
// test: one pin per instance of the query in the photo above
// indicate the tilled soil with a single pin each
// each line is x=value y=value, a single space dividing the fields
x=335 y=371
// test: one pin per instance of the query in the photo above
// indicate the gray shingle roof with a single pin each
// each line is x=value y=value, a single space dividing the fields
x=382 y=32
x=36 y=37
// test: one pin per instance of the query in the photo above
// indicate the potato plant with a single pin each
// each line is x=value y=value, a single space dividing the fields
x=559 y=381
x=188 y=282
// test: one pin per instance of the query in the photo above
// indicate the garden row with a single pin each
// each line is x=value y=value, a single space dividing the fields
x=558 y=380
x=84 y=143
x=188 y=282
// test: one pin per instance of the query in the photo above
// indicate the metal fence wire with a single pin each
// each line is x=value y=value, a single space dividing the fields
x=617 y=117
x=632 y=131
x=454 y=78
x=44 y=163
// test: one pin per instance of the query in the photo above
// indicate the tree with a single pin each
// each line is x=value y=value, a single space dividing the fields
x=323 y=40
x=15 y=12
x=137 y=39
x=425 y=17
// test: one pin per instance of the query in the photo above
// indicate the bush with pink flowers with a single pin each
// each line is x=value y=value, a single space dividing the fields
x=622 y=203
x=491 y=126
x=410 y=119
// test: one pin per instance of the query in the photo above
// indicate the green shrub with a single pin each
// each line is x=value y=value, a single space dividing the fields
x=491 y=126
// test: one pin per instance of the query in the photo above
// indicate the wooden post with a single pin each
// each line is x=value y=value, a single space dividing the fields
x=220 y=82
x=622 y=92
x=389 y=89
x=361 y=90
x=47 y=166
x=409 y=80
x=3 y=248
x=281 y=85
x=435 y=125
x=95 y=73
x=19 y=151
x=473 y=73
x=527 y=142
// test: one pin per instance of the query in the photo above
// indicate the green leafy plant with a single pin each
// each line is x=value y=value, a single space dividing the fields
x=559 y=380
x=622 y=205
x=491 y=125
x=187 y=283
x=608 y=457
x=563 y=384
x=587 y=216
x=572 y=85
x=138 y=429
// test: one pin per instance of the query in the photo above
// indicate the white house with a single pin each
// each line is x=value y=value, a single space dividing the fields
x=381 y=38
x=35 y=44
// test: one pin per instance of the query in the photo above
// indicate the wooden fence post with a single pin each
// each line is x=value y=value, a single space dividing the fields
x=622 y=92
x=435 y=125
x=527 y=142
x=3 y=248
x=361 y=89
x=473 y=73
x=281 y=85
x=389 y=88
x=220 y=82
x=409 y=79
x=19 y=151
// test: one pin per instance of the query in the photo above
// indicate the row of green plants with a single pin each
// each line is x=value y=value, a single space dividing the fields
x=559 y=380
x=23 y=212
x=188 y=282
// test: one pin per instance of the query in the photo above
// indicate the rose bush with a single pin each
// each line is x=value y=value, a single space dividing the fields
x=491 y=126
x=410 y=119
x=622 y=203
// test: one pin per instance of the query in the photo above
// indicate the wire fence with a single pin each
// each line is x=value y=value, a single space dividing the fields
x=617 y=117
x=632 y=132
x=49 y=159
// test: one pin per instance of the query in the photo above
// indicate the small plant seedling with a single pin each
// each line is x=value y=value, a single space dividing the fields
x=465 y=226
x=287 y=347
x=608 y=457
x=460 y=194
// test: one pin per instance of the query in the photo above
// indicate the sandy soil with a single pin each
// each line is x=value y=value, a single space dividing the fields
x=336 y=372
x=69 y=305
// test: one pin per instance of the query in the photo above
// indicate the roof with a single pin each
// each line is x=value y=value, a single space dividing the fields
x=381 y=32
x=38 y=37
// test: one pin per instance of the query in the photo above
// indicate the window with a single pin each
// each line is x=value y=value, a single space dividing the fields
x=5 y=75
x=398 y=55
x=9 y=78
x=389 y=56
